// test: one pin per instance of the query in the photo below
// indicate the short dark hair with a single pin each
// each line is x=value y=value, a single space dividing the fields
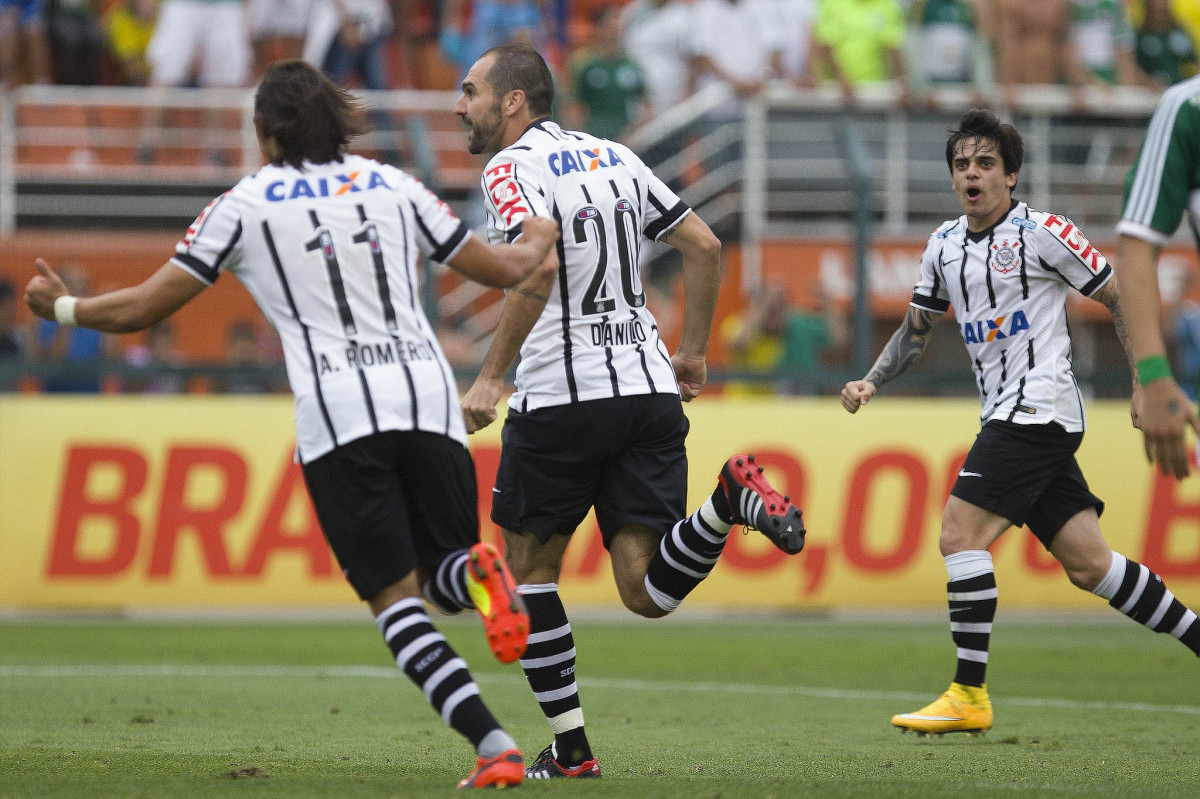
x=310 y=117
x=979 y=123
x=519 y=66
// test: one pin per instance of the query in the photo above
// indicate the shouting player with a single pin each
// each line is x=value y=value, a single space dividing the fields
x=596 y=420
x=1007 y=269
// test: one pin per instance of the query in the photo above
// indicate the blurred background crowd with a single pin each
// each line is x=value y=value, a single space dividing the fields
x=619 y=65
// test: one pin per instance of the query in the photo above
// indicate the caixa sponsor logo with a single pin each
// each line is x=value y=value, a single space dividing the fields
x=565 y=161
x=334 y=186
x=982 y=331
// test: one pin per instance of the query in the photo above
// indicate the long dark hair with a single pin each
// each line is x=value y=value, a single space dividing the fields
x=308 y=115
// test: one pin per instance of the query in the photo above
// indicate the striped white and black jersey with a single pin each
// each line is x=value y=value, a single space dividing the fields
x=1008 y=285
x=330 y=255
x=596 y=338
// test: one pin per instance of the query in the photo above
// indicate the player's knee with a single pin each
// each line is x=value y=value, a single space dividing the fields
x=1086 y=576
x=644 y=606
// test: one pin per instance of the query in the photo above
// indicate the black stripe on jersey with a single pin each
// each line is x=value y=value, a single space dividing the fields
x=1096 y=282
x=1017 y=402
x=642 y=354
x=612 y=373
x=228 y=248
x=447 y=383
x=207 y=273
x=366 y=389
x=1032 y=360
x=930 y=303
x=408 y=271
x=616 y=191
x=586 y=194
x=442 y=250
x=312 y=356
x=565 y=310
x=637 y=191
x=962 y=278
x=335 y=280
x=987 y=270
x=1024 y=272
x=979 y=378
x=667 y=217
x=511 y=234
x=412 y=396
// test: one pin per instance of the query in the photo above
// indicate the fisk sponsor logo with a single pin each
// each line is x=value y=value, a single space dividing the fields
x=505 y=193
x=982 y=331
x=565 y=161
x=335 y=186
x=1065 y=231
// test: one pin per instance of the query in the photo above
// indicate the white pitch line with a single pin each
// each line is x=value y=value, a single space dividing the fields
x=597 y=683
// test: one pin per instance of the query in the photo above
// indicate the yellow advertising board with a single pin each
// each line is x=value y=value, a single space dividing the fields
x=195 y=502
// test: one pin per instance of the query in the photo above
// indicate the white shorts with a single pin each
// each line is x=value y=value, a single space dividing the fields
x=278 y=18
x=209 y=35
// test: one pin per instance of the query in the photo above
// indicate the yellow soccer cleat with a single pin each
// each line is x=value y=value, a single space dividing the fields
x=963 y=708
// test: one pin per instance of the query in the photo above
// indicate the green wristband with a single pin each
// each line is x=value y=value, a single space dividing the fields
x=1152 y=368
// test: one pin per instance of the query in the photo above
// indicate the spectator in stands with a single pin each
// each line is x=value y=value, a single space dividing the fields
x=278 y=29
x=786 y=346
x=347 y=38
x=203 y=43
x=12 y=338
x=51 y=342
x=656 y=34
x=859 y=42
x=1164 y=50
x=796 y=19
x=76 y=42
x=734 y=42
x=160 y=357
x=128 y=26
x=245 y=358
x=1031 y=45
x=493 y=23
x=949 y=48
x=23 y=32
x=1102 y=46
x=1183 y=338
x=608 y=94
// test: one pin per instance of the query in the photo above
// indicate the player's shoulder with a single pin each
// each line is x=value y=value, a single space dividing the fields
x=948 y=230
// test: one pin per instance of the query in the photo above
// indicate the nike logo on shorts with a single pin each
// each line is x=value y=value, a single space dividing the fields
x=965 y=473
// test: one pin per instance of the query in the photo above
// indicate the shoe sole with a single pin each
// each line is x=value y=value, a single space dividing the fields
x=971 y=733
x=515 y=766
x=790 y=541
x=494 y=592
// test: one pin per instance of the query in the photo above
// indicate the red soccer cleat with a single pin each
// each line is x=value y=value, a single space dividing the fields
x=756 y=504
x=501 y=771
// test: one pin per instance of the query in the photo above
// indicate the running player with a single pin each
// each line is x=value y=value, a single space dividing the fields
x=1007 y=269
x=328 y=245
x=596 y=420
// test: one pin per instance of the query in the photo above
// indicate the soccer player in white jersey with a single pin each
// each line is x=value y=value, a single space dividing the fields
x=596 y=420
x=1007 y=270
x=328 y=244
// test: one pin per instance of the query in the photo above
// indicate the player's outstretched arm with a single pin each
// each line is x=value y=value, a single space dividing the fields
x=1162 y=412
x=523 y=304
x=505 y=265
x=904 y=349
x=125 y=310
x=701 y=251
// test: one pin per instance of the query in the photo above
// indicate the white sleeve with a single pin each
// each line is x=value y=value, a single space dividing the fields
x=1064 y=248
x=213 y=243
x=511 y=192
x=441 y=234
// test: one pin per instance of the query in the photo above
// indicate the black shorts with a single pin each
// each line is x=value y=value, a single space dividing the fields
x=624 y=456
x=393 y=501
x=1027 y=474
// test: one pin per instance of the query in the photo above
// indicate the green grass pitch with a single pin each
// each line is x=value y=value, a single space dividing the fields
x=690 y=707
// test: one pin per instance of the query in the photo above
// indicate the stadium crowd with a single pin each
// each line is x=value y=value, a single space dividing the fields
x=618 y=65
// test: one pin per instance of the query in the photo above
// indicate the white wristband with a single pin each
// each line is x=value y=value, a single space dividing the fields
x=64 y=310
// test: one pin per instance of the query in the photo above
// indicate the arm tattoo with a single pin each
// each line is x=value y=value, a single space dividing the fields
x=905 y=347
x=1109 y=296
x=531 y=294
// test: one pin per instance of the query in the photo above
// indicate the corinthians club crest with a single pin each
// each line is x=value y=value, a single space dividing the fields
x=1003 y=257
